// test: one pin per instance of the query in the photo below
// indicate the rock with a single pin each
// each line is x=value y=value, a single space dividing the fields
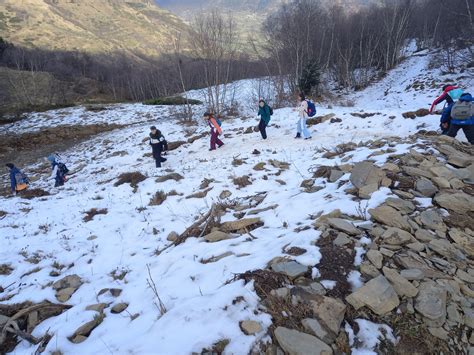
x=250 y=327
x=424 y=236
x=343 y=225
x=464 y=276
x=432 y=220
x=466 y=174
x=172 y=237
x=403 y=194
x=390 y=217
x=439 y=333
x=412 y=274
x=378 y=294
x=456 y=184
x=417 y=172
x=341 y=240
x=367 y=190
x=225 y=194
x=453 y=313
x=416 y=246
x=459 y=201
x=119 y=308
x=313 y=327
x=330 y=311
x=431 y=303
x=386 y=252
x=71 y=281
x=460 y=160
x=375 y=258
x=115 y=292
x=369 y=270
x=217 y=236
x=241 y=224
x=282 y=292
x=99 y=307
x=403 y=206
x=441 y=182
x=469 y=317
x=396 y=236
x=84 y=330
x=65 y=294
x=391 y=167
x=335 y=175
x=402 y=286
x=307 y=183
x=294 y=342
x=290 y=268
x=446 y=249
x=426 y=187
x=366 y=173
x=443 y=172
x=414 y=261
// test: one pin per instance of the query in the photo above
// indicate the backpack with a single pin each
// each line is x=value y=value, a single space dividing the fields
x=271 y=110
x=219 y=122
x=462 y=110
x=311 y=108
x=62 y=168
x=21 y=178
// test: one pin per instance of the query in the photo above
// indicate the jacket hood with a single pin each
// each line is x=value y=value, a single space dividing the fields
x=466 y=97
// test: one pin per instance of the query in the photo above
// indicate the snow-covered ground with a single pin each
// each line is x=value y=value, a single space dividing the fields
x=201 y=307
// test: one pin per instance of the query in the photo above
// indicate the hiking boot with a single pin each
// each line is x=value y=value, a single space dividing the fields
x=220 y=145
x=298 y=135
x=308 y=138
x=212 y=149
x=163 y=160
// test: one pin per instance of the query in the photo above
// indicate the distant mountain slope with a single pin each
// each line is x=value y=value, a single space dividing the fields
x=135 y=26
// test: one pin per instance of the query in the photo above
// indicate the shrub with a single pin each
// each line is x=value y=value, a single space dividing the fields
x=173 y=100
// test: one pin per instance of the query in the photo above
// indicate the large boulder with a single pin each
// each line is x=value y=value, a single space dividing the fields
x=294 y=342
x=343 y=226
x=366 y=173
x=390 y=217
x=431 y=303
x=377 y=294
x=459 y=202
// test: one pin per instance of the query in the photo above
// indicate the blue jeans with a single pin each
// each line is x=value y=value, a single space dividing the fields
x=302 y=129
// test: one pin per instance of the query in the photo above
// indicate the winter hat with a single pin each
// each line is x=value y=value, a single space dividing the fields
x=52 y=158
x=152 y=128
x=206 y=114
x=10 y=165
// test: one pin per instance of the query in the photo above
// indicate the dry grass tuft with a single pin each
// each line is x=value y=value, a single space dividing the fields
x=94 y=212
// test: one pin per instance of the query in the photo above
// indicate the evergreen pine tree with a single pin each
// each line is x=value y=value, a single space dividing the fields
x=310 y=78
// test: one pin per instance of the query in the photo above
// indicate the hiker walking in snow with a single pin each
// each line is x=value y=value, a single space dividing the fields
x=450 y=94
x=59 y=170
x=304 y=112
x=461 y=116
x=216 y=130
x=18 y=180
x=264 y=111
x=158 y=145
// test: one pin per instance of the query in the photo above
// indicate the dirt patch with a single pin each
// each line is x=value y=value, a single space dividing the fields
x=295 y=251
x=5 y=269
x=175 y=145
x=94 y=212
x=200 y=194
x=336 y=264
x=264 y=280
x=26 y=148
x=286 y=314
x=158 y=198
x=133 y=179
x=322 y=172
x=363 y=115
x=34 y=193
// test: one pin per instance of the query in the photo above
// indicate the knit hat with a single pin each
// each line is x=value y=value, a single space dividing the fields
x=10 y=165
x=52 y=158
x=206 y=114
x=152 y=128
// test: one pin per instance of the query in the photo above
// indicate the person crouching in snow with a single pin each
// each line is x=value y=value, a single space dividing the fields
x=59 y=170
x=18 y=180
x=264 y=111
x=303 y=116
x=216 y=130
x=158 y=145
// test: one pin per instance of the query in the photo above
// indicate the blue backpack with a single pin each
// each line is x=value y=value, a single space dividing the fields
x=219 y=122
x=311 y=108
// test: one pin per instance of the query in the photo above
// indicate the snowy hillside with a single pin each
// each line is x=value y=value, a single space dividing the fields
x=122 y=241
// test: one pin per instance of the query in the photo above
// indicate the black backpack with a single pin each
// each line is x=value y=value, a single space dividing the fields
x=271 y=110
x=62 y=168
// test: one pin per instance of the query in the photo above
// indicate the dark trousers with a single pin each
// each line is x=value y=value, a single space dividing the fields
x=157 y=149
x=215 y=139
x=467 y=129
x=262 y=128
